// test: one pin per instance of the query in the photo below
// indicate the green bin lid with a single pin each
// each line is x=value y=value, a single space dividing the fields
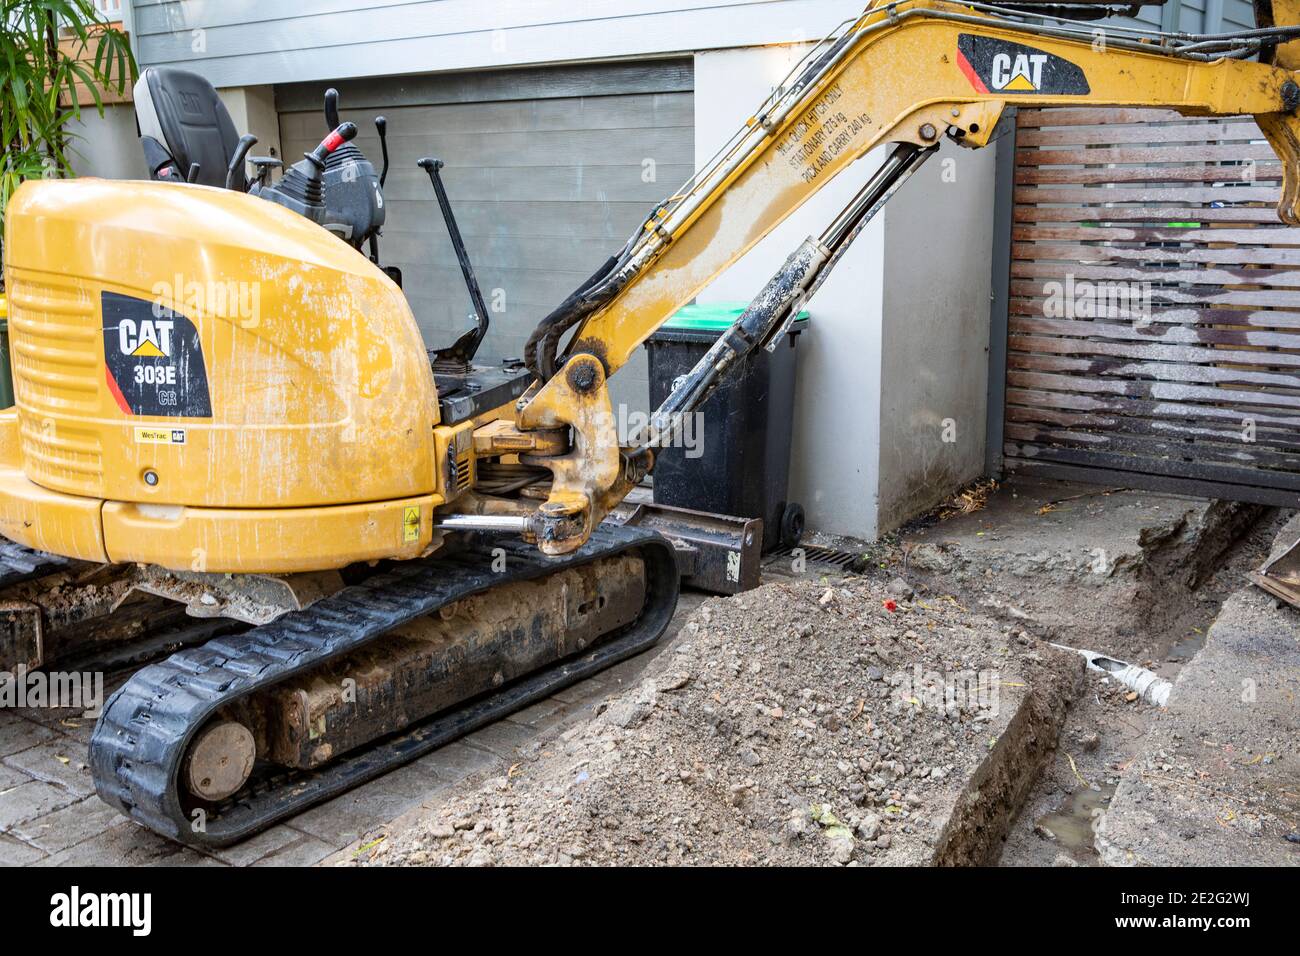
x=714 y=317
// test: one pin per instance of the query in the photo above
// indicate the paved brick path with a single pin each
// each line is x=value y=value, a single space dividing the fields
x=50 y=816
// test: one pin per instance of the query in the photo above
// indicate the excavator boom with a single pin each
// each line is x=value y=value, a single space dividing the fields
x=907 y=73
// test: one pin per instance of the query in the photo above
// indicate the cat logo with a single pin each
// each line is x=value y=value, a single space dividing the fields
x=153 y=360
x=149 y=338
x=1024 y=74
x=993 y=65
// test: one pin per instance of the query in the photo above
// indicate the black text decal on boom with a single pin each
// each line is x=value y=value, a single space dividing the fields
x=1000 y=66
x=155 y=364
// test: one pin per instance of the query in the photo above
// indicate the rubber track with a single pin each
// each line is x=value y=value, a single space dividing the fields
x=138 y=745
x=19 y=563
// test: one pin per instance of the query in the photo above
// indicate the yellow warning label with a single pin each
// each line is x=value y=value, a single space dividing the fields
x=411 y=524
x=159 y=436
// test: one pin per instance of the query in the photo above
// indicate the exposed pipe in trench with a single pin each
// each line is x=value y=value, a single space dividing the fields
x=1148 y=685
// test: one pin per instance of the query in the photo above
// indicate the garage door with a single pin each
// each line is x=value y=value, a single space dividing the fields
x=549 y=170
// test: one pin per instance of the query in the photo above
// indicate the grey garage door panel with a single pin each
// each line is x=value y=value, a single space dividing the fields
x=585 y=79
x=524 y=149
x=603 y=111
x=543 y=184
x=549 y=171
x=533 y=220
x=525 y=288
x=561 y=258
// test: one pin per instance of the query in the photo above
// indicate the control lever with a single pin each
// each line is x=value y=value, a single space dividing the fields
x=301 y=188
x=381 y=127
x=332 y=108
x=464 y=348
x=343 y=133
x=246 y=142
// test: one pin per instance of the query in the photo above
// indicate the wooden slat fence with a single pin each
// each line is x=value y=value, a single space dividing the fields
x=1154 y=312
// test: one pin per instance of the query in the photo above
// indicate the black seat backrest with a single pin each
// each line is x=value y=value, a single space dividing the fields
x=182 y=121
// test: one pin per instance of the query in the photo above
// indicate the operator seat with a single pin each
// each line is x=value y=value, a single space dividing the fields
x=182 y=121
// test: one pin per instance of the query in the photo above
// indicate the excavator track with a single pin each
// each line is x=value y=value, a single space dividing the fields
x=141 y=740
x=19 y=563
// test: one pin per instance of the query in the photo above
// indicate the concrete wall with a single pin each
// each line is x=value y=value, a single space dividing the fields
x=835 y=467
x=107 y=146
x=252 y=109
x=934 y=370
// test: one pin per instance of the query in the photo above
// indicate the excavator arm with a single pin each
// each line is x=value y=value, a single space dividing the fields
x=906 y=73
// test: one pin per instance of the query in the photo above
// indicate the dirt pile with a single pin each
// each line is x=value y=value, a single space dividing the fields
x=800 y=723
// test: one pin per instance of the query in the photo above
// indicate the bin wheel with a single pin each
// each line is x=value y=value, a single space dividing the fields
x=792 y=523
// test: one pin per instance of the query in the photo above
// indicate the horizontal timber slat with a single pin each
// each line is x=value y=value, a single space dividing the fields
x=1154 y=313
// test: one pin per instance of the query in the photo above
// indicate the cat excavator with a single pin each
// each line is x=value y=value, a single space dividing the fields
x=232 y=453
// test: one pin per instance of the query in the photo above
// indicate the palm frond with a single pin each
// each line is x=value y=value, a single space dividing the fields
x=52 y=54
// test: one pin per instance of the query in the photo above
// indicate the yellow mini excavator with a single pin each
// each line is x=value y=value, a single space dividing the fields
x=230 y=439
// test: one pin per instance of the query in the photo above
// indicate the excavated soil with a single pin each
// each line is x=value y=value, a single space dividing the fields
x=1123 y=572
x=785 y=726
x=1107 y=728
x=798 y=724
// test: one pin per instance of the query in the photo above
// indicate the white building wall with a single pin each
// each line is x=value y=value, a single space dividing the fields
x=934 y=349
x=835 y=466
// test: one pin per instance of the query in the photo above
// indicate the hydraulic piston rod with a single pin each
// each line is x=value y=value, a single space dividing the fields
x=770 y=313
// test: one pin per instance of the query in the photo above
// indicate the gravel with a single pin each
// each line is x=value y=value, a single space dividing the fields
x=802 y=723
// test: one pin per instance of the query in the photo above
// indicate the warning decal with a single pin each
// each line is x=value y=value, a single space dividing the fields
x=1000 y=66
x=154 y=364
x=411 y=524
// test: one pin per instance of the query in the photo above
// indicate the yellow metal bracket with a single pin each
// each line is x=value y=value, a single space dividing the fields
x=594 y=475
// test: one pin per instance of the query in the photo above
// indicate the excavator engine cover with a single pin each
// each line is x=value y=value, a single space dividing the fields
x=207 y=382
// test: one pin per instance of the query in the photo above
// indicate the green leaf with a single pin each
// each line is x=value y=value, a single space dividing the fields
x=40 y=89
x=90 y=83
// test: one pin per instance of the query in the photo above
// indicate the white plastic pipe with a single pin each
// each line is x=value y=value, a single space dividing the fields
x=1148 y=685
